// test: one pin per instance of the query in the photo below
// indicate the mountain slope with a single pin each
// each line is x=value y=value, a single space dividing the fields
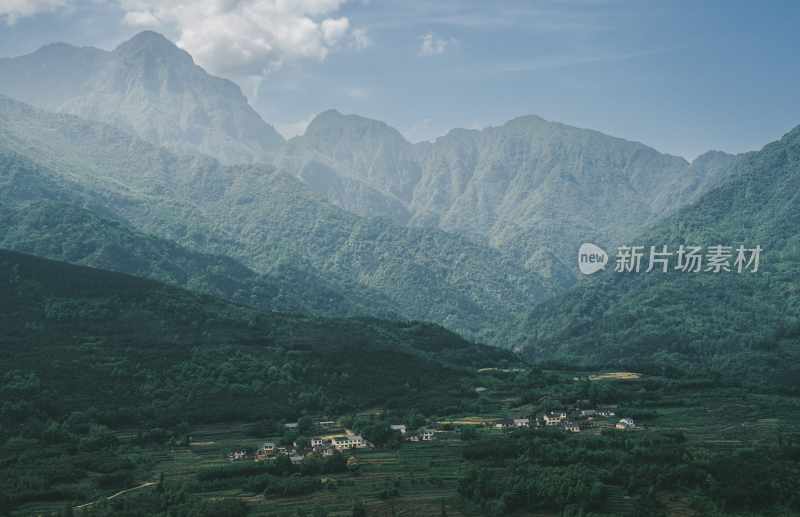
x=117 y=349
x=146 y=86
x=533 y=188
x=742 y=325
x=262 y=217
x=76 y=235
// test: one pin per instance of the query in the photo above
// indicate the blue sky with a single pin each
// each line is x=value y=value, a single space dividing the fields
x=683 y=76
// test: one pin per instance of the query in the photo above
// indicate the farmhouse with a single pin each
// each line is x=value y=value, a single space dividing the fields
x=349 y=441
x=423 y=435
x=237 y=455
x=625 y=423
x=554 y=417
x=270 y=450
x=504 y=424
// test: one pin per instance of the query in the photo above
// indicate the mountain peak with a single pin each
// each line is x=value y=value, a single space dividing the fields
x=152 y=43
x=712 y=156
x=334 y=120
x=792 y=137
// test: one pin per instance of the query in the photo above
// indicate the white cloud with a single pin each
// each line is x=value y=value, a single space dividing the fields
x=141 y=19
x=12 y=10
x=431 y=45
x=249 y=36
x=360 y=39
x=333 y=30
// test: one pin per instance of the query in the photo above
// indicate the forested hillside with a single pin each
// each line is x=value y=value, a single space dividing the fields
x=532 y=188
x=744 y=325
x=70 y=233
x=261 y=217
x=138 y=351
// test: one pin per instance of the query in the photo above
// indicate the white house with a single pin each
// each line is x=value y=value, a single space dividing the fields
x=522 y=422
x=237 y=455
x=571 y=427
x=350 y=441
x=423 y=435
x=554 y=417
x=399 y=427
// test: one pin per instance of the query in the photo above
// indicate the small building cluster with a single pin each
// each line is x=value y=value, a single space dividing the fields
x=576 y=419
x=625 y=424
x=512 y=423
x=422 y=435
x=270 y=451
x=326 y=445
x=573 y=420
x=238 y=455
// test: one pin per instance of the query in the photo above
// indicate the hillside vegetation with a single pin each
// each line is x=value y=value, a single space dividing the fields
x=742 y=325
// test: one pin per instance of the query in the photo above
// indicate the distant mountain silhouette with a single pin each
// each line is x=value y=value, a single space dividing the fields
x=147 y=86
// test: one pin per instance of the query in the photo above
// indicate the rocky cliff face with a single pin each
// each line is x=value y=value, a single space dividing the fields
x=534 y=188
x=149 y=87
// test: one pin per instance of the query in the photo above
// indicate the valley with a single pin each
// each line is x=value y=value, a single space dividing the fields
x=712 y=424
x=201 y=316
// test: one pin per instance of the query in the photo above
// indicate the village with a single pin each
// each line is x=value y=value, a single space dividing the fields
x=340 y=440
x=574 y=420
x=325 y=445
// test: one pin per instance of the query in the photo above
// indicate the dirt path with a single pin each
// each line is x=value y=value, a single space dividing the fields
x=121 y=492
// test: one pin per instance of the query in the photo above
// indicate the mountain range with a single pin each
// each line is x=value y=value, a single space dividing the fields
x=531 y=188
x=260 y=217
x=138 y=161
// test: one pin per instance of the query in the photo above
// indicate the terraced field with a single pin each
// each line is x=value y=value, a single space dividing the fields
x=415 y=479
x=420 y=479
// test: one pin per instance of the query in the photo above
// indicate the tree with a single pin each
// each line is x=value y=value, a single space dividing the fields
x=468 y=433
x=305 y=425
x=359 y=510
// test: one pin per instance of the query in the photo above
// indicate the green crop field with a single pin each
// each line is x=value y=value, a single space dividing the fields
x=423 y=474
